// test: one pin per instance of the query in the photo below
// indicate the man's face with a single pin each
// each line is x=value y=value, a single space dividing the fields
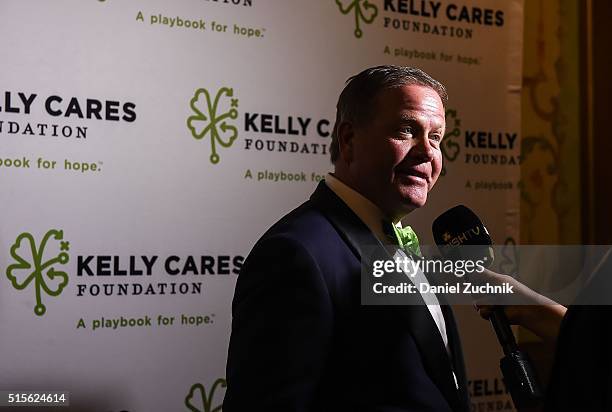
x=395 y=158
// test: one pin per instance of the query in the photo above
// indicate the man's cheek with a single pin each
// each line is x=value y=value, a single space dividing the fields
x=436 y=164
x=435 y=174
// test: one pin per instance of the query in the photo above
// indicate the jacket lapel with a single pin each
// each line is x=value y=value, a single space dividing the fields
x=352 y=230
x=435 y=358
x=416 y=316
x=454 y=342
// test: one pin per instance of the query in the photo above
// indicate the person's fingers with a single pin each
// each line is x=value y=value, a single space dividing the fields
x=493 y=278
x=484 y=310
x=514 y=313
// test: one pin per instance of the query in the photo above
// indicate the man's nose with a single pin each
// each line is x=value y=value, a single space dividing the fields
x=422 y=149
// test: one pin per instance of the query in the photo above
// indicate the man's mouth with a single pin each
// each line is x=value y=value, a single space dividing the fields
x=414 y=173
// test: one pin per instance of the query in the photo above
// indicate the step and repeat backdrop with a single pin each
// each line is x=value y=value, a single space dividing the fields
x=146 y=145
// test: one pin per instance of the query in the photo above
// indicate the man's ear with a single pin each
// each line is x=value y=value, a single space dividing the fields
x=346 y=136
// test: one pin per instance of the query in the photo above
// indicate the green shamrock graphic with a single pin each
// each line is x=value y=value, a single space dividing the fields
x=198 y=401
x=450 y=148
x=206 y=119
x=364 y=10
x=31 y=266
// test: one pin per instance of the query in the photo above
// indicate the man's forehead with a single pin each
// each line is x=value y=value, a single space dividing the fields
x=411 y=103
x=411 y=96
x=434 y=118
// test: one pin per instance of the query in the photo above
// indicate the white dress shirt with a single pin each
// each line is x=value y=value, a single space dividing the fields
x=373 y=217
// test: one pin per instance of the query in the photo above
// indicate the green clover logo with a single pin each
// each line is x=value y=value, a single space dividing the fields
x=198 y=401
x=31 y=266
x=450 y=148
x=363 y=9
x=207 y=121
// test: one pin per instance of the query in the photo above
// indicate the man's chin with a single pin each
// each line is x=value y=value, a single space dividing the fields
x=413 y=199
x=408 y=204
x=412 y=204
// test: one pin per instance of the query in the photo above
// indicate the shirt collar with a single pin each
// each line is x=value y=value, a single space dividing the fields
x=368 y=212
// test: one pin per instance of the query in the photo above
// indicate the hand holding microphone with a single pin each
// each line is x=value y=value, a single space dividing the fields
x=538 y=314
x=459 y=227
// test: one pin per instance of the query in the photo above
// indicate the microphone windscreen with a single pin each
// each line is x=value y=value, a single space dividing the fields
x=458 y=231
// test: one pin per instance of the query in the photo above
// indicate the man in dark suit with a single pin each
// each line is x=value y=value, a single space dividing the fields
x=301 y=339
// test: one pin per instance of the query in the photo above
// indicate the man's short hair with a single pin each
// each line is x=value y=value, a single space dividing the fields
x=355 y=101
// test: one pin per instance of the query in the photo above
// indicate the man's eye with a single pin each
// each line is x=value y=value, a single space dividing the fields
x=435 y=137
x=406 y=130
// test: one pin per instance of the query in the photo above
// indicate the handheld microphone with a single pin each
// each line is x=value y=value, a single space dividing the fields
x=458 y=227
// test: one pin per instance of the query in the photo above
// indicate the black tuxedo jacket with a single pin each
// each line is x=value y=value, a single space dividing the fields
x=302 y=341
